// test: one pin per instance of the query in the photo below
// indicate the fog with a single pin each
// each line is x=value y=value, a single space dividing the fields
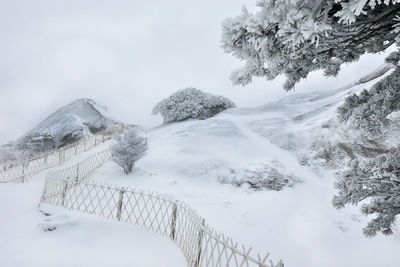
x=126 y=55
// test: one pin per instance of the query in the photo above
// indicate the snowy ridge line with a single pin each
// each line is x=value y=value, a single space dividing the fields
x=200 y=244
x=20 y=171
x=377 y=73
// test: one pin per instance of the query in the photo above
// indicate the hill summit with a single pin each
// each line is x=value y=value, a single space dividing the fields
x=66 y=125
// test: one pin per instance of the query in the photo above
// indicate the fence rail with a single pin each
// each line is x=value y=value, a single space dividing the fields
x=20 y=171
x=199 y=243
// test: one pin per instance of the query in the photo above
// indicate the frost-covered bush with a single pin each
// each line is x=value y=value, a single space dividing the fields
x=375 y=181
x=191 y=103
x=128 y=149
x=7 y=154
x=296 y=37
x=264 y=177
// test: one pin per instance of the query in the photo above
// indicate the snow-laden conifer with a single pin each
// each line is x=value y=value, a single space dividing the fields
x=376 y=182
x=369 y=111
x=191 y=103
x=128 y=149
x=296 y=37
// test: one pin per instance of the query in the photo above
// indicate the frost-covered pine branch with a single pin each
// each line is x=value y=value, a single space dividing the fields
x=191 y=103
x=296 y=37
x=375 y=181
x=369 y=110
x=128 y=149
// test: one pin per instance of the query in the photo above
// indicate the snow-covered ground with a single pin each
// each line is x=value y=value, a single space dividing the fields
x=298 y=224
x=188 y=160
x=77 y=240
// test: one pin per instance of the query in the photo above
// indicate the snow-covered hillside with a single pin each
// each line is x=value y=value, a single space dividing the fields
x=254 y=174
x=224 y=167
x=68 y=124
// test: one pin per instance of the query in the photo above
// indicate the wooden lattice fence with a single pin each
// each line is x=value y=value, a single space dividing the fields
x=20 y=171
x=199 y=243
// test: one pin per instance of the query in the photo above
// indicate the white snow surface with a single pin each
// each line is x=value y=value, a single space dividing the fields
x=77 y=240
x=298 y=224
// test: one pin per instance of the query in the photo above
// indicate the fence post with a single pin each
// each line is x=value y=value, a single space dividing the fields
x=64 y=193
x=119 y=204
x=173 y=221
x=61 y=155
x=23 y=172
x=77 y=174
x=199 y=241
x=43 y=196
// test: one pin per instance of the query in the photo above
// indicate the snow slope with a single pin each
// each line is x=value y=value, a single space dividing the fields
x=68 y=124
x=79 y=118
x=75 y=239
x=188 y=160
x=203 y=162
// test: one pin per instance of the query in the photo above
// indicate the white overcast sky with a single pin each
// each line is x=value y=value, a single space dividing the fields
x=126 y=55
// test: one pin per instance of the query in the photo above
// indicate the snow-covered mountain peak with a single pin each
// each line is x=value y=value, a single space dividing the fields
x=71 y=122
x=68 y=124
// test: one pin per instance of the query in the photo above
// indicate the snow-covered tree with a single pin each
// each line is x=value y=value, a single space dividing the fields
x=296 y=37
x=128 y=149
x=191 y=103
x=7 y=154
x=375 y=181
x=377 y=178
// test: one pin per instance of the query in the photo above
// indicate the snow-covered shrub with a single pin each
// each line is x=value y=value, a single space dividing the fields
x=191 y=103
x=36 y=144
x=7 y=153
x=128 y=149
x=265 y=177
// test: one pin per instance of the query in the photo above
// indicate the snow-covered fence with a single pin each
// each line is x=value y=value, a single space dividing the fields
x=199 y=243
x=20 y=171
x=78 y=172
